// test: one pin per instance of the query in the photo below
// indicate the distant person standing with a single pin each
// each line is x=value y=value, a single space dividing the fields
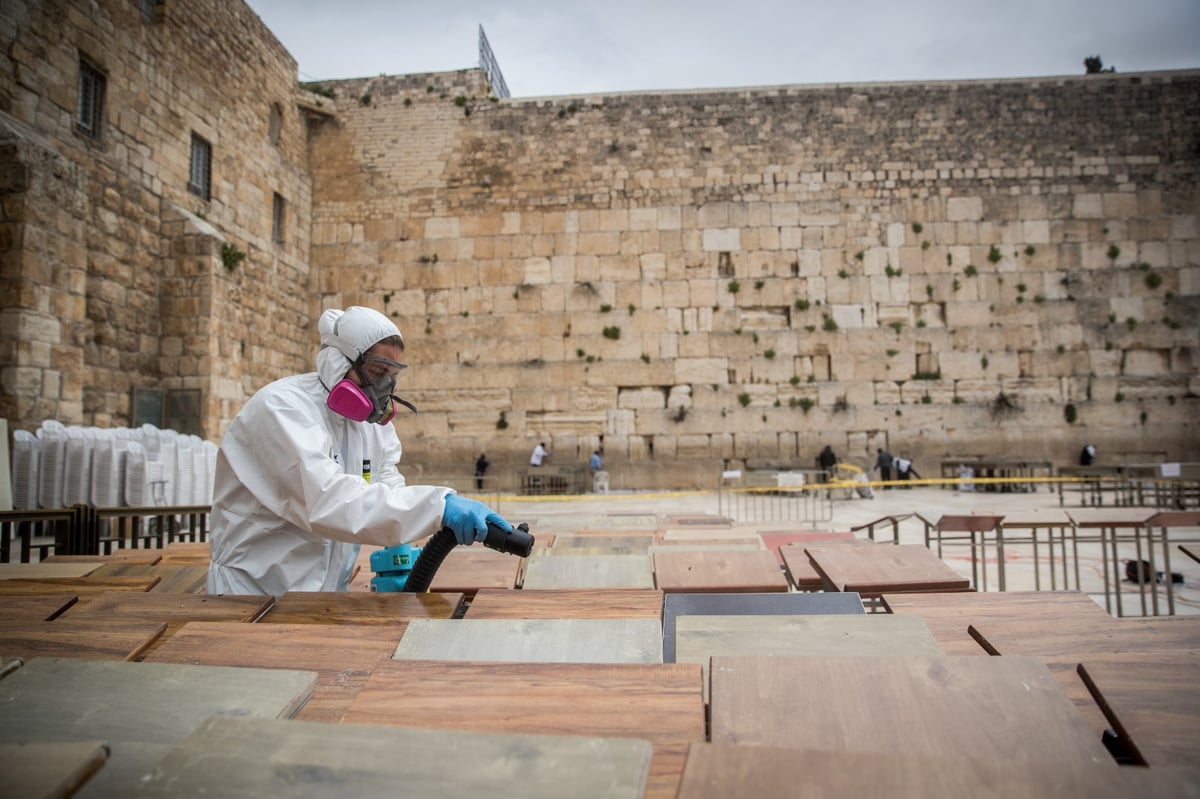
x=1088 y=455
x=827 y=459
x=539 y=454
x=595 y=463
x=883 y=462
x=481 y=466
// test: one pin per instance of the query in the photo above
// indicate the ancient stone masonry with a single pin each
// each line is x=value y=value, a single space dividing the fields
x=690 y=281
x=698 y=280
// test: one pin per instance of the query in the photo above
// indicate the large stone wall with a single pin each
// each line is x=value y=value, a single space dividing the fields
x=704 y=280
x=112 y=276
x=691 y=281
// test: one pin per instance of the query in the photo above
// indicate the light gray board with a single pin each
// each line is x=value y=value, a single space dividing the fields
x=754 y=604
x=241 y=758
x=595 y=571
x=533 y=640
x=140 y=710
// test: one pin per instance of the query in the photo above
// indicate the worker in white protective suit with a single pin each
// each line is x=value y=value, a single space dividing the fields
x=307 y=471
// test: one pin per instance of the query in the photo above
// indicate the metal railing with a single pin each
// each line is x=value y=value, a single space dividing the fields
x=491 y=67
x=770 y=496
x=87 y=530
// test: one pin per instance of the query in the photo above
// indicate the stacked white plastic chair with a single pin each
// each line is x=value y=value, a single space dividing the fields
x=53 y=436
x=77 y=466
x=108 y=467
x=199 y=472
x=27 y=469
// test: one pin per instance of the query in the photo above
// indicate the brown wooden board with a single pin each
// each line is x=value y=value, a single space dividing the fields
x=533 y=640
x=236 y=758
x=173 y=609
x=1152 y=701
x=631 y=543
x=712 y=572
x=107 y=639
x=43 y=569
x=1008 y=708
x=358 y=607
x=719 y=771
x=876 y=569
x=949 y=615
x=467 y=569
x=185 y=553
x=567 y=603
x=147 y=557
x=176 y=579
x=660 y=703
x=49 y=770
x=1076 y=638
x=141 y=710
x=342 y=655
x=34 y=607
x=81 y=587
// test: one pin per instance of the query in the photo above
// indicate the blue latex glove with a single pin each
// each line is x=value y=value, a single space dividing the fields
x=469 y=519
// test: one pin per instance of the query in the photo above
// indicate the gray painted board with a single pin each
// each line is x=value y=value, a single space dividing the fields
x=241 y=758
x=533 y=640
x=141 y=710
x=596 y=571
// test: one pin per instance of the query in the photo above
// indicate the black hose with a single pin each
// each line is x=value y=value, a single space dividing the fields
x=517 y=541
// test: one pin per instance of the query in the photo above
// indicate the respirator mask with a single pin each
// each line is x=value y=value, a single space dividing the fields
x=373 y=401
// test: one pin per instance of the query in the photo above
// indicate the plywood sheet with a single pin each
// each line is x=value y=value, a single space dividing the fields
x=708 y=572
x=533 y=640
x=387 y=608
x=173 y=609
x=467 y=569
x=36 y=571
x=251 y=758
x=141 y=710
x=1079 y=636
x=874 y=569
x=107 y=639
x=176 y=579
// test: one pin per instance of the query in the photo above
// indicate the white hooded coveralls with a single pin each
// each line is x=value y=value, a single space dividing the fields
x=290 y=505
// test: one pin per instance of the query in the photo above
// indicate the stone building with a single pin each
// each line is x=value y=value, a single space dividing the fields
x=689 y=281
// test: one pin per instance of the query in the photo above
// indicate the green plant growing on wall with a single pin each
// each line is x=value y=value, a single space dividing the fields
x=1130 y=323
x=892 y=353
x=896 y=325
x=1113 y=252
x=925 y=244
x=769 y=355
x=859 y=255
x=1039 y=298
x=970 y=271
x=928 y=375
x=929 y=291
x=921 y=323
x=1119 y=397
x=806 y=404
x=613 y=333
x=994 y=254
x=1004 y=406
x=744 y=399
x=645 y=358
x=794 y=380
x=1153 y=280
x=1030 y=249
x=632 y=308
x=917 y=228
x=680 y=414
x=605 y=308
x=810 y=328
x=802 y=305
x=502 y=422
x=956 y=285
x=926 y=399
x=843 y=274
x=1070 y=413
x=983 y=362
x=1143 y=417
x=407 y=102
x=830 y=325
x=734 y=287
x=231 y=256
x=758 y=284
x=892 y=272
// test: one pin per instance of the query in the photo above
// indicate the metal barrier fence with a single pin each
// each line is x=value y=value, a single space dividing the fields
x=86 y=530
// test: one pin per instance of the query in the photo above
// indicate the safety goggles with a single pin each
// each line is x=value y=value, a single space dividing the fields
x=376 y=369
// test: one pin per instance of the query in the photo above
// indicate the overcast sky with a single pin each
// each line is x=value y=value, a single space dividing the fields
x=569 y=47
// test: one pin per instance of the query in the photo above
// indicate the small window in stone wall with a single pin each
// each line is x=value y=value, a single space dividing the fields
x=168 y=409
x=275 y=125
x=278 y=218
x=200 y=173
x=89 y=107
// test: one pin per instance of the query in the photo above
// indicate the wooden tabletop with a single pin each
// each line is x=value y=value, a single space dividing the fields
x=1078 y=637
x=82 y=587
x=141 y=710
x=719 y=770
x=175 y=579
x=567 y=603
x=359 y=607
x=774 y=540
x=245 y=758
x=37 y=571
x=876 y=569
x=1110 y=517
x=633 y=542
x=467 y=569
x=711 y=572
x=49 y=770
x=35 y=607
x=1008 y=708
x=750 y=604
x=1152 y=701
x=107 y=639
x=660 y=703
x=342 y=655
x=589 y=571
x=173 y=609
x=949 y=615
x=183 y=553
x=147 y=557
x=533 y=640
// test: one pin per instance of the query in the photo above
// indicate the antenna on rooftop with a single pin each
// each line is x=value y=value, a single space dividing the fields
x=490 y=67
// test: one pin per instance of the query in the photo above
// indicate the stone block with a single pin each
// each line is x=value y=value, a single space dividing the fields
x=722 y=240
x=964 y=209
